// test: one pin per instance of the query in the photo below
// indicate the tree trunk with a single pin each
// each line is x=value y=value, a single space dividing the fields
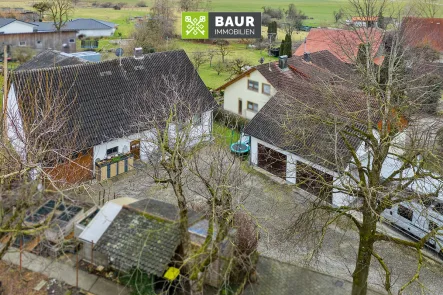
x=364 y=256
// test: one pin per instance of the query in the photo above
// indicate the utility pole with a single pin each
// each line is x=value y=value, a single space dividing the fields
x=5 y=92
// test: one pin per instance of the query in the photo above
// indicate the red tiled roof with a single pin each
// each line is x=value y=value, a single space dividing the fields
x=424 y=31
x=342 y=43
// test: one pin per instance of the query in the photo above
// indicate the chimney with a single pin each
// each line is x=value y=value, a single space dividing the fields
x=283 y=62
x=138 y=52
x=307 y=57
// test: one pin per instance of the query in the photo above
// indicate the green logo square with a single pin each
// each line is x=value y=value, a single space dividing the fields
x=195 y=25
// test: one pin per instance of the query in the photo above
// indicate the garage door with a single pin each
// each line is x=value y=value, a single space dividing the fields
x=314 y=181
x=272 y=161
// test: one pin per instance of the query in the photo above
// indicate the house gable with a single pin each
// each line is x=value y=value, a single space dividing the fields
x=240 y=99
x=15 y=27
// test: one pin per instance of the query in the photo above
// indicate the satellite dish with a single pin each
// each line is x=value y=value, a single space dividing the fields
x=119 y=52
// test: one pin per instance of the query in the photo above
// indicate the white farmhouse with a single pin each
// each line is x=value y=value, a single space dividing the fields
x=101 y=107
x=13 y=26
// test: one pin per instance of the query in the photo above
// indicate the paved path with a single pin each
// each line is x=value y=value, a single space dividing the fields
x=291 y=279
x=65 y=272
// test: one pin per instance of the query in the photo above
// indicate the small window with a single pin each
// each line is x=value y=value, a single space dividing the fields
x=252 y=106
x=253 y=85
x=22 y=43
x=39 y=41
x=266 y=89
x=405 y=212
x=112 y=151
x=71 y=41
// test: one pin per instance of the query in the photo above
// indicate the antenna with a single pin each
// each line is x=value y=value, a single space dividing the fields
x=119 y=53
x=270 y=67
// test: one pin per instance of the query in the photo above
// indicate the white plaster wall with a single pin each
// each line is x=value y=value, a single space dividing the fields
x=147 y=139
x=15 y=130
x=96 y=33
x=17 y=27
x=239 y=90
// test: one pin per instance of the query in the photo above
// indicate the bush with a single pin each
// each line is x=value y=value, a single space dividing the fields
x=230 y=120
x=122 y=4
x=116 y=7
x=22 y=54
x=141 y=4
x=106 y=5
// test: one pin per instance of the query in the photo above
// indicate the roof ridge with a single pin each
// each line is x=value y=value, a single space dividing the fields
x=90 y=64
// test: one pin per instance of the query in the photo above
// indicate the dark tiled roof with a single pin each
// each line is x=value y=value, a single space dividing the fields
x=105 y=100
x=6 y=21
x=50 y=58
x=163 y=210
x=300 y=121
x=76 y=25
x=297 y=69
x=88 y=24
x=138 y=240
x=326 y=60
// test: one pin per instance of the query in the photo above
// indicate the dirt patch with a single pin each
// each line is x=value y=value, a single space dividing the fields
x=16 y=282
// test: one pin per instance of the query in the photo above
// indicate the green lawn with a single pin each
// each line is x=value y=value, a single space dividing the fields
x=224 y=135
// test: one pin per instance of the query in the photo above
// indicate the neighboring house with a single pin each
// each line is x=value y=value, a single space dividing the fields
x=48 y=59
x=13 y=26
x=17 y=33
x=306 y=150
x=85 y=27
x=64 y=41
x=248 y=93
x=100 y=99
x=424 y=31
x=143 y=234
x=365 y=22
x=344 y=44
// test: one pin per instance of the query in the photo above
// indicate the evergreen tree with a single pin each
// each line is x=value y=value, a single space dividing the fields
x=381 y=21
x=288 y=45
x=282 y=48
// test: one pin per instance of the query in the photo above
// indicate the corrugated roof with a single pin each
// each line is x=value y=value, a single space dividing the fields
x=50 y=58
x=95 y=229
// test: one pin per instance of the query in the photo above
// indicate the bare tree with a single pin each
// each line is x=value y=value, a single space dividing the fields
x=210 y=54
x=31 y=155
x=60 y=11
x=237 y=66
x=41 y=8
x=163 y=15
x=198 y=58
x=219 y=68
x=190 y=5
x=223 y=49
x=427 y=8
x=373 y=145
x=200 y=175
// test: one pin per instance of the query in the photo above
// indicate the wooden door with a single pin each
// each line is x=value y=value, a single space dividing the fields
x=135 y=148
